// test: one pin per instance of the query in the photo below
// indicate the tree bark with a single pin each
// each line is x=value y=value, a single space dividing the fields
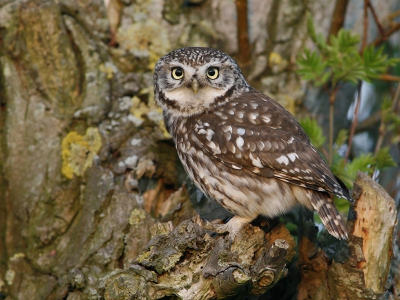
x=359 y=268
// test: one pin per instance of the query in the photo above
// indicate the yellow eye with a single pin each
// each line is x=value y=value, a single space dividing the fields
x=212 y=73
x=177 y=73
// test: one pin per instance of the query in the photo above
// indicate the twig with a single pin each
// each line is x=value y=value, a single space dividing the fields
x=388 y=77
x=244 y=57
x=382 y=126
x=372 y=121
x=355 y=122
x=388 y=33
x=338 y=17
x=381 y=30
x=332 y=98
x=365 y=29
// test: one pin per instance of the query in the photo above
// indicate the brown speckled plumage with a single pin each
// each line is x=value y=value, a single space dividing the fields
x=240 y=147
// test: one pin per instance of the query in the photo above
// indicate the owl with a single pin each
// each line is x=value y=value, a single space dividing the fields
x=239 y=146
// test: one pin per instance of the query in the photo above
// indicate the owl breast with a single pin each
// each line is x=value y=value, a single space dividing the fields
x=243 y=193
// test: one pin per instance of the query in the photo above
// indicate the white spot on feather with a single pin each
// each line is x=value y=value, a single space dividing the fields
x=253 y=115
x=266 y=119
x=283 y=160
x=226 y=128
x=210 y=134
x=240 y=142
x=239 y=114
x=292 y=156
x=241 y=131
x=255 y=161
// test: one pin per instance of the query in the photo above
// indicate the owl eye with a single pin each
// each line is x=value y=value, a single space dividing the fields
x=177 y=73
x=212 y=73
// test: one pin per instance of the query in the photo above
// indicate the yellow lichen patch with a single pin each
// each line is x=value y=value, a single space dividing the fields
x=137 y=215
x=144 y=39
x=274 y=59
x=108 y=69
x=78 y=151
x=16 y=256
x=289 y=103
x=9 y=276
x=277 y=63
x=151 y=110
x=143 y=256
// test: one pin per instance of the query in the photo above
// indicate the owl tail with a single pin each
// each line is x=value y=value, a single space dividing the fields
x=329 y=215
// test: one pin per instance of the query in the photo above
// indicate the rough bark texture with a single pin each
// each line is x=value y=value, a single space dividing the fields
x=92 y=196
x=190 y=264
x=360 y=268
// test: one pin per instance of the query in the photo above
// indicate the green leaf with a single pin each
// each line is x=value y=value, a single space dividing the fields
x=348 y=172
x=342 y=137
x=318 y=39
x=383 y=159
x=312 y=67
x=362 y=163
x=375 y=62
x=339 y=169
x=348 y=68
x=345 y=41
x=313 y=130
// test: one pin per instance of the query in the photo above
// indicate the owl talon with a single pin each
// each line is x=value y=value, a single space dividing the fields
x=233 y=226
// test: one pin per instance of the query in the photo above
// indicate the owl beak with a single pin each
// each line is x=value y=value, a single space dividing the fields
x=195 y=85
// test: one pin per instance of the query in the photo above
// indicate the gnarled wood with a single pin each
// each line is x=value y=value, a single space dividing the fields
x=191 y=264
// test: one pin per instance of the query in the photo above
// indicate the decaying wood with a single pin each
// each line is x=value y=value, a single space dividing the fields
x=191 y=263
x=358 y=269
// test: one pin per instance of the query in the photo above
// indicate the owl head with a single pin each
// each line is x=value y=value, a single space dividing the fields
x=192 y=80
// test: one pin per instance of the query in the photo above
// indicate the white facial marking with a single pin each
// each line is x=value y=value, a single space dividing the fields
x=190 y=102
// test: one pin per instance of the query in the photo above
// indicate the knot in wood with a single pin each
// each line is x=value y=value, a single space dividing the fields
x=266 y=278
x=239 y=276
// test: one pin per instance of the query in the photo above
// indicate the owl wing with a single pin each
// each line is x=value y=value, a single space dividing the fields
x=255 y=133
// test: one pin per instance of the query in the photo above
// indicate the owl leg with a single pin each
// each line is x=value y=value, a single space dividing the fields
x=234 y=225
x=328 y=213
